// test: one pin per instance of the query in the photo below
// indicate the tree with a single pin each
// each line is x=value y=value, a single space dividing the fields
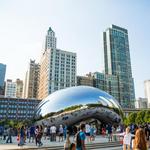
x=125 y=121
x=147 y=116
x=140 y=117
x=131 y=118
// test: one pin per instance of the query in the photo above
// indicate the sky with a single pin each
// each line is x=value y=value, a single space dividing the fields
x=78 y=26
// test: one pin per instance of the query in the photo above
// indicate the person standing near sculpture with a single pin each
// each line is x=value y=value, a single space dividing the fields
x=53 y=133
x=87 y=130
x=4 y=134
x=65 y=131
x=109 y=129
x=127 y=139
x=9 y=134
x=80 y=138
x=61 y=131
x=21 y=136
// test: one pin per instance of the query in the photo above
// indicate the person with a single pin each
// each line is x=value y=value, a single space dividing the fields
x=87 y=130
x=92 y=133
x=53 y=132
x=61 y=130
x=9 y=133
x=21 y=136
x=40 y=135
x=36 y=135
x=80 y=138
x=65 y=131
x=4 y=134
x=1 y=132
x=109 y=129
x=45 y=132
x=140 y=142
x=32 y=134
x=127 y=139
x=67 y=142
x=75 y=130
x=103 y=131
x=114 y=131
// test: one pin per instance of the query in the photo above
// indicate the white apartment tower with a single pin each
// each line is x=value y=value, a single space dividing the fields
x=57 y=70
x=10 y=88
x=147 y=91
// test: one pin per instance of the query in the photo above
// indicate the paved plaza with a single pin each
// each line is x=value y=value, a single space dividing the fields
x=47 y=143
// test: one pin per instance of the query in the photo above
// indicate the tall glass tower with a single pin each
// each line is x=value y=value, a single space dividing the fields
x=2 y=77
x=2 y=74
x=117 y=62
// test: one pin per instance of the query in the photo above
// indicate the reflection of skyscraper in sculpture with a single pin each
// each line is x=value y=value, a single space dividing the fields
x=147 y=91
x=57 y=68
x=117 y=62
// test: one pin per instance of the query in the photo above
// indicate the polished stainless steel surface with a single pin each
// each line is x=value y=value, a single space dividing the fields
x=75 y=104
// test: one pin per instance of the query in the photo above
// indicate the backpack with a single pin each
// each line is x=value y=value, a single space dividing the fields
x=78 y=140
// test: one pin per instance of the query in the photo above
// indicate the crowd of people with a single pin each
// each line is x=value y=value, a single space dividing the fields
x=136 y=137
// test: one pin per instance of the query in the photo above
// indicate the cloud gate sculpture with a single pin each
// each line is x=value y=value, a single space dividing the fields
x=75 y=104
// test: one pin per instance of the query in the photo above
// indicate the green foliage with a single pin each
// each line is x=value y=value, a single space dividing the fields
x=140 y=117
x=15 y=123
x=147 y=116
x=131 y=118
x=125 y=121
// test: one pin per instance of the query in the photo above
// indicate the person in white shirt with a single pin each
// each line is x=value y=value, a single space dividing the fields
x=87 y=131
x=127 y=139
x=53 y=133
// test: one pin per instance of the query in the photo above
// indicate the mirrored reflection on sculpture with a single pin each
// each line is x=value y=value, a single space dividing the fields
x=75 y=104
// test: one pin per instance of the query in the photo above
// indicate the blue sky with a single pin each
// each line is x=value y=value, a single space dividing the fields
x=78 y=25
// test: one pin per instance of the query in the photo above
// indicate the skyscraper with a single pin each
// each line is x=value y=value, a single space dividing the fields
x=147 y=91
x=19 y=88
x=2 y=77
x=57 y=71
x=31 y=80
x=117 y=62
x=57 y=68
x=50 y=41
x=10 y=88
